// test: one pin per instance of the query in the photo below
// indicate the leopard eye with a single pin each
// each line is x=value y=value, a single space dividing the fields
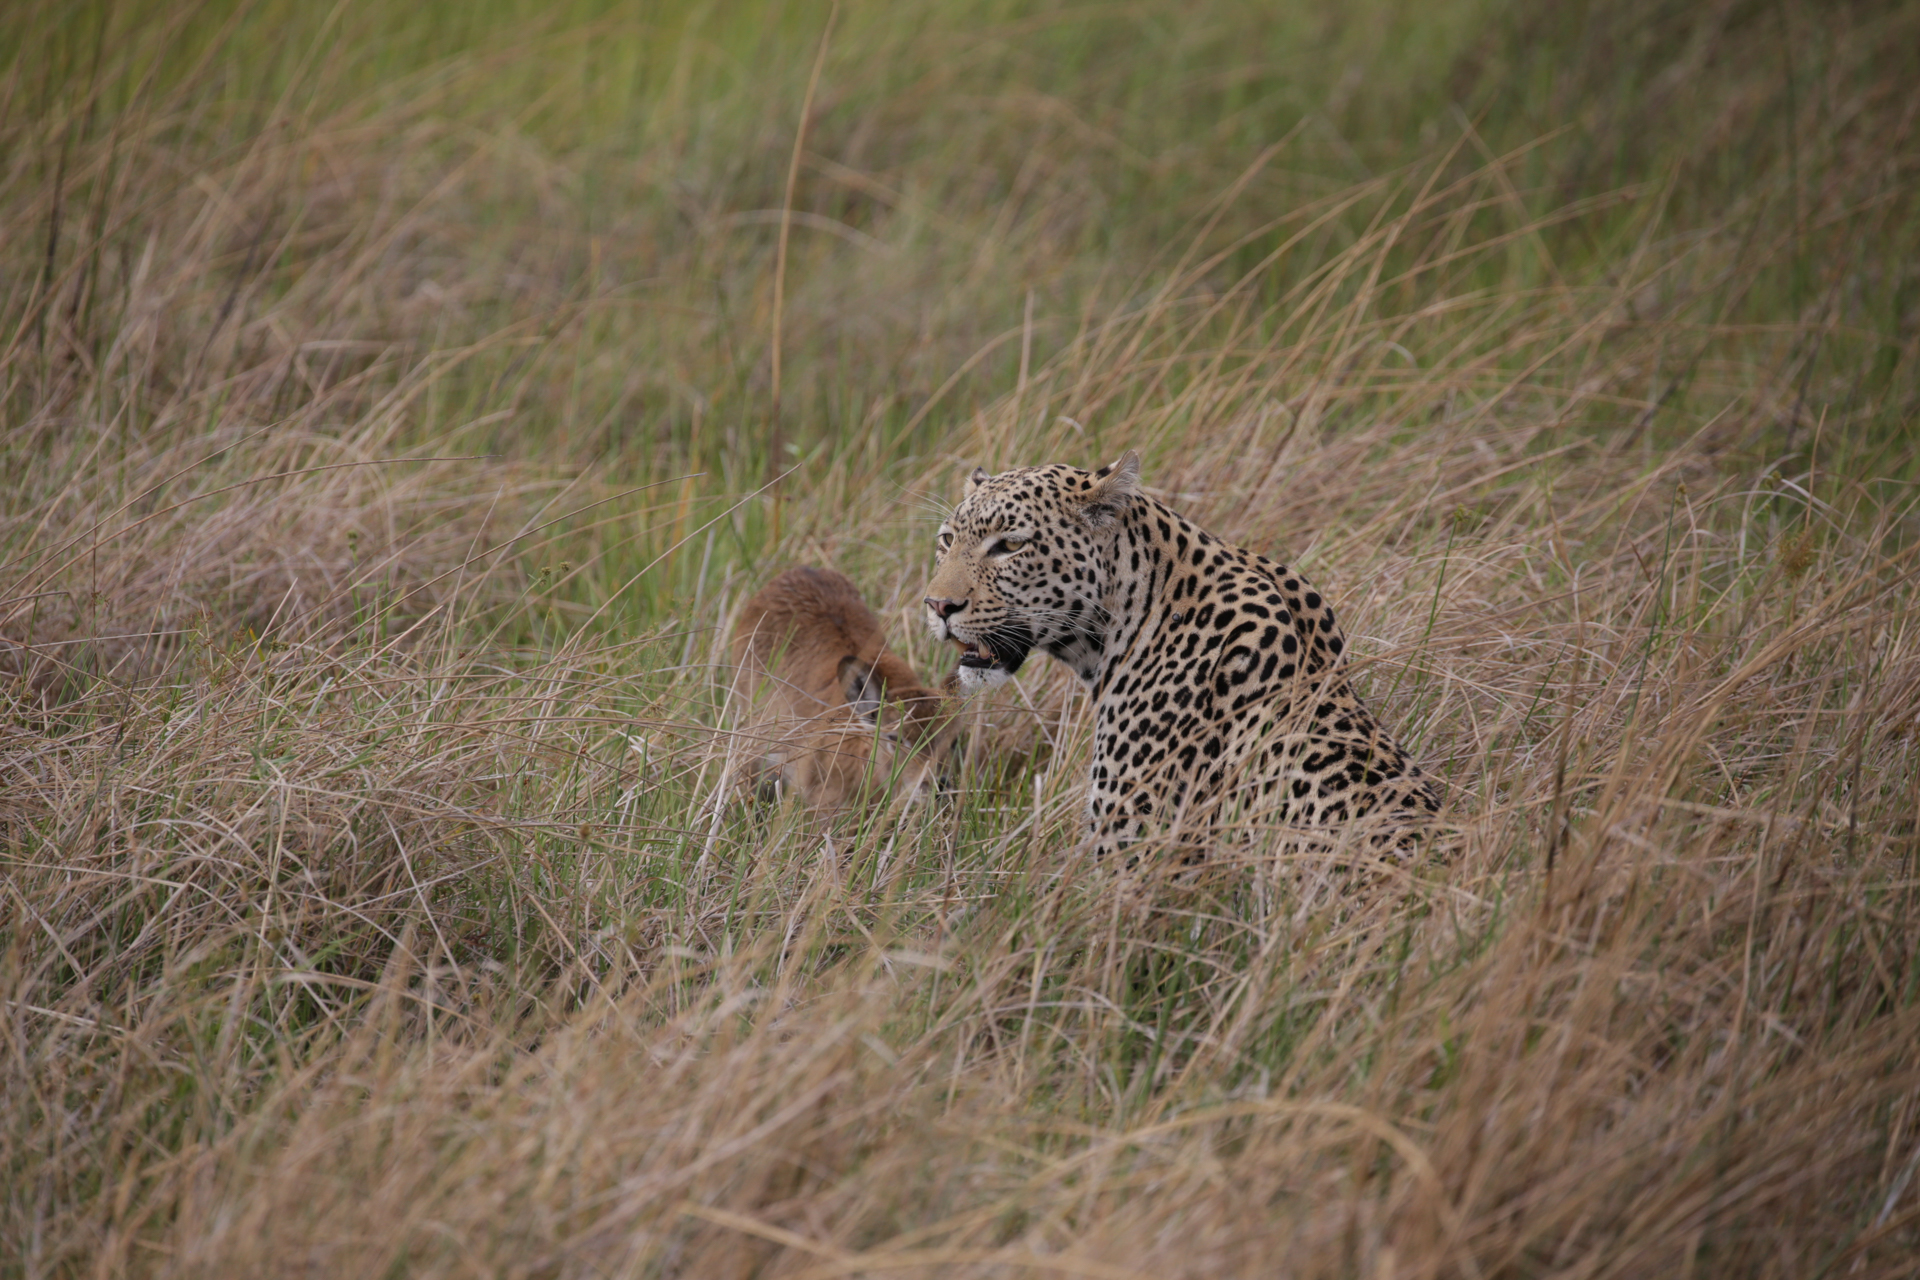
x=945 y=539
x=1007 y=546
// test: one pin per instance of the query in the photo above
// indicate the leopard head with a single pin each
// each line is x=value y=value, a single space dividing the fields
x=1019 y=563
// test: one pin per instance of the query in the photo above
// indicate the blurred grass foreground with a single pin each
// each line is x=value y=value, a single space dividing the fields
x=395 y=401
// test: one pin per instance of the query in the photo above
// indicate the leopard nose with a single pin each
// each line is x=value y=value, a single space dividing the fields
x=944 y=608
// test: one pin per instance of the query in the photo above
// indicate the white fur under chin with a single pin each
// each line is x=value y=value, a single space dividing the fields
x=977 y=680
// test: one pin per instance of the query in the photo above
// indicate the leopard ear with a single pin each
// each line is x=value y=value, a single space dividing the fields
x=1114 y=486
x=862 y=686
x=979 y=477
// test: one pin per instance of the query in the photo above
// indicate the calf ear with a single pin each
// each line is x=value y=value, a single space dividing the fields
x=862 y=686
x=979 y=477
x=1114 y=486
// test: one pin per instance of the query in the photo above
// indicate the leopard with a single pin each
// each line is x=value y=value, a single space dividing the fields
x=839 y=717
x=1222 y=698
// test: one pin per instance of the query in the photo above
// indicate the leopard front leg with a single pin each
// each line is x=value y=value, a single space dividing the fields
x=1120 y=806
x=1155 y=783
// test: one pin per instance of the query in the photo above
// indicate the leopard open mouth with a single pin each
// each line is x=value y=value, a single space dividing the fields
x=976 y=653
x=1006 y=650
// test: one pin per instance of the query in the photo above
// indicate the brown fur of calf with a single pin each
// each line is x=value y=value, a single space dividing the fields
x=842 y=718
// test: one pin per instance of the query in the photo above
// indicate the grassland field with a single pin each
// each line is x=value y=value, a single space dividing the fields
x=396 y=400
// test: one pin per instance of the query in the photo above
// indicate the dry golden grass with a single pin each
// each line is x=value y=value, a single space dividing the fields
x=387 y=448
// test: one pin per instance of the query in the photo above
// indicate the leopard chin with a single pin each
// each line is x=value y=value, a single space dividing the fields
x=977 y=680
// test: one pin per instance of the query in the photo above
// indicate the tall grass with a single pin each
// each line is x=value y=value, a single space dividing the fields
x=390 y=429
